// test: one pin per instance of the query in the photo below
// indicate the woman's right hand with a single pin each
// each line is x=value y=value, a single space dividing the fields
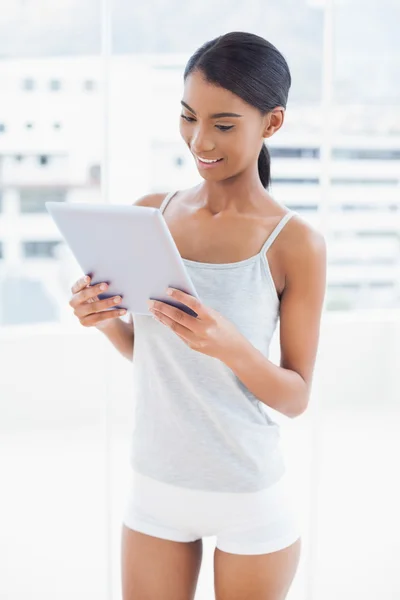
x=87 y=306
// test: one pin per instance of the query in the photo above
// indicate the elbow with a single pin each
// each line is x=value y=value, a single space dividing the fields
x=297 y=412
x=300 y=406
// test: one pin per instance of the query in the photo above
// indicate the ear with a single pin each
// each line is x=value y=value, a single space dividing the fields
x=274 y=121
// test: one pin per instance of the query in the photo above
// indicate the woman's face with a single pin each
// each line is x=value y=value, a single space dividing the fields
x=236 y=140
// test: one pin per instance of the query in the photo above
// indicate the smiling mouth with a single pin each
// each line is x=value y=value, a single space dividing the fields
x=207 y=163
x=208 y=160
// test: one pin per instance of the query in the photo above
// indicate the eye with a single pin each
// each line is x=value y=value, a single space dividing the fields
x=187 y=118
x=220 y=127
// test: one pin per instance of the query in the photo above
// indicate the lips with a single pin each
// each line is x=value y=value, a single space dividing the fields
x=208 y=159
x=205 y=166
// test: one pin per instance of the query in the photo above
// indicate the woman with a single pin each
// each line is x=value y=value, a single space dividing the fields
x=206 y=457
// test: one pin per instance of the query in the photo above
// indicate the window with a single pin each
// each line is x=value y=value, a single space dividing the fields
x=41 y=249
x=28 y=84
x=44 y=160
x=32 y=200
x=363 y=181
x=89 y=85
x=373 y=206
x=302 y=207
x=381 y=284
x=294 y=152
x=55 y=85
x=376 y=234
x=95 y=174
x=2 y=128
x=365 y=154
x=295 y=180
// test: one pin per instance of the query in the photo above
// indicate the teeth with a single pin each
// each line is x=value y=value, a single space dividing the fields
x=208 y=161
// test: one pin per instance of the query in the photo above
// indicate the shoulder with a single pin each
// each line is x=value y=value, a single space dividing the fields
x=300 y=238
x=151 y=200
x=305 y=249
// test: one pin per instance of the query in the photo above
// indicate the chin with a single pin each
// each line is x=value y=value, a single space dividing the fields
x=212 y=177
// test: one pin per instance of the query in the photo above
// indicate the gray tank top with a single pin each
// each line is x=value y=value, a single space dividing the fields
x=196 y=425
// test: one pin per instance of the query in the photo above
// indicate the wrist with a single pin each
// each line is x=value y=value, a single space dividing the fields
x=234 y=354
x=107 y=325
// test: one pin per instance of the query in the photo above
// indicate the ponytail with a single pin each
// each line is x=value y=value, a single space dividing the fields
x=264 y=166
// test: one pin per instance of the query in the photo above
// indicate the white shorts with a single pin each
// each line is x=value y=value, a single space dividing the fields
x=244 y=523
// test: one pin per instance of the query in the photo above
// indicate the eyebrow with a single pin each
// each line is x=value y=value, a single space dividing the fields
x=215 y=116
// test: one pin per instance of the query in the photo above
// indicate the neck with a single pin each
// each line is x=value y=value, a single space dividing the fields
x=236 y=194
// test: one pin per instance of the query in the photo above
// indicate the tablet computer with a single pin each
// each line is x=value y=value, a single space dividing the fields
x=128 y=247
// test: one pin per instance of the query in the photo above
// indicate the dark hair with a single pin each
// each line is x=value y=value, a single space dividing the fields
x=250 y=67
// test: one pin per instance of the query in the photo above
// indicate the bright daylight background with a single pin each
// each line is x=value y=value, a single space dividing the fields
x=89 y=111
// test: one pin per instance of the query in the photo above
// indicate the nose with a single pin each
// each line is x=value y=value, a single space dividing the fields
x=200 y=143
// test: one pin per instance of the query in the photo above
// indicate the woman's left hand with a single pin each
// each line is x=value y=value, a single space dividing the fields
x=209 y=333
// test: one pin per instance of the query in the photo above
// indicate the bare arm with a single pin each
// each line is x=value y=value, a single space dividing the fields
x=287 y=388
x=121 y=335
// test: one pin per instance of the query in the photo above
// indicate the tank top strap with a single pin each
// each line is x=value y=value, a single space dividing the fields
x=274 y=234
x=167 y=198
